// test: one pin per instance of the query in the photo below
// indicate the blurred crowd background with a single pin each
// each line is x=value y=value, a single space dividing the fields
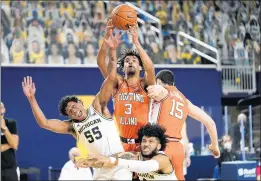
x=70 y=32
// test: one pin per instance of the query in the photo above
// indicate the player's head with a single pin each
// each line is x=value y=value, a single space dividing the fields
x=153 y=139
x=130 y=63
x=165 y=77
x=2 y=109
x=72 y=107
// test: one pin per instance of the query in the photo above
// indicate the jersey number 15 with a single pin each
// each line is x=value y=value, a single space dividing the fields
x=176 y=109
x=93 y=133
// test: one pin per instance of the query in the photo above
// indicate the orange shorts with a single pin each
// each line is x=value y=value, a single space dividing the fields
x=131 y=147
x=175 y=151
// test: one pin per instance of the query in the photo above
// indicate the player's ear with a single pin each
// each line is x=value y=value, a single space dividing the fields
x=80 y=102
x=159 y=147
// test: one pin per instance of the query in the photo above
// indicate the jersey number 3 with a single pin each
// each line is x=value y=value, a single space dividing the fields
x=176 y=109
x=93 y=133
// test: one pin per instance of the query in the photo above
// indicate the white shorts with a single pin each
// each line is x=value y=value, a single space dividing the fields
x=116 y=173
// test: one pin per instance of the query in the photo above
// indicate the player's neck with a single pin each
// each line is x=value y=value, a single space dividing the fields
x=132 y=80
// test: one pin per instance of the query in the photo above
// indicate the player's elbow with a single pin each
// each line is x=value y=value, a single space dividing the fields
x=43 y=123
x=14 y=144
x=209 y=123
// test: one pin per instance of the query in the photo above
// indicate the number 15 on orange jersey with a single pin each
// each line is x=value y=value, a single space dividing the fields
x=176 y=109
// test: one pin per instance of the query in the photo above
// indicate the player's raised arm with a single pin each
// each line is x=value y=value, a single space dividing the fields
x=107 y=87
x=147 y=62
x=101 y=57
x=54 y=125
x=198 y=114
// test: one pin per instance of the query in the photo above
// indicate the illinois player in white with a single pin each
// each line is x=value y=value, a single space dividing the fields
x=150 y=163
x=95 y=125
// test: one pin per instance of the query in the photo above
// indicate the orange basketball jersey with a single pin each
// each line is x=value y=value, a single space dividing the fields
x=171 y=112
x=131 y=109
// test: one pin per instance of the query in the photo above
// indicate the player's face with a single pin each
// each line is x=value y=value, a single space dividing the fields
x=149 y=146
x=131 y=65
x=75 y=110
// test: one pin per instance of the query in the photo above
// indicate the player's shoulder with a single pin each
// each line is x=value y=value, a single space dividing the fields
x=161 y=155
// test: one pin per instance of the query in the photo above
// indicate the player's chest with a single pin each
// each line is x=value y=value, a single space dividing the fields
x=133 y=97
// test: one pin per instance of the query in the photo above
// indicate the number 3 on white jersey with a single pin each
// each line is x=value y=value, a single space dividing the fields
x=129 y=106
x=176 y=109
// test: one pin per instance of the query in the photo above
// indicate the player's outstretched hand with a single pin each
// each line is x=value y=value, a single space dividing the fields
x=134 y=33
x=98 y=161
x=109 y=27
x=81 y=163
x=215 y=150
x=28 y=87
x=114 y=40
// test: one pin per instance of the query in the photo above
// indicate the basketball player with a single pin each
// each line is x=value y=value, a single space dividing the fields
x=131 y=102
x=171 y=111
x=95 y=125
x=150 y=163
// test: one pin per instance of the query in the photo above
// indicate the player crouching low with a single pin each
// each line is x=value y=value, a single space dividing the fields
x=150 y=163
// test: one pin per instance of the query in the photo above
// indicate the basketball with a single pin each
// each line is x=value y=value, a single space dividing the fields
x=124 y=16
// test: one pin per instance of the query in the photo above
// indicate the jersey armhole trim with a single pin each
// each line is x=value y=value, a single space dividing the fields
x=108 y=119
x=143 y=88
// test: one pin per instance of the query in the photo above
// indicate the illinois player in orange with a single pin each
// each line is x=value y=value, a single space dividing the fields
x=171 y=111
x=131 y=102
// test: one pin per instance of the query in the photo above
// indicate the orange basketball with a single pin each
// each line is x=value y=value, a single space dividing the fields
x=123 y=16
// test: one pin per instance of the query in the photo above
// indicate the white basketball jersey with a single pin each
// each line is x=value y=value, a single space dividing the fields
x=99 y=134
x=156 y=175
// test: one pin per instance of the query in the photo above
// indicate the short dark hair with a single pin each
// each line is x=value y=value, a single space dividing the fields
x=166 y=76
x=126 y=53
x=154 y=130
x=63 y=103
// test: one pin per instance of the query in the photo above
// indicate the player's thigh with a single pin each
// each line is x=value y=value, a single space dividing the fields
x=176 y=153
x=122 y=174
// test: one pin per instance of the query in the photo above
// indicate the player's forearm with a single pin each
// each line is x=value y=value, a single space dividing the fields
x=198 y=114
x=12 y=141
x=101 y=57
x=147 y=62
x=139 y=166
x=5 y=147
x=112 y=66
x=38 y=114
x=212 y=130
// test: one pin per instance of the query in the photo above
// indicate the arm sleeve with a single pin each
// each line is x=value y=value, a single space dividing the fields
x=12 y=126
x=139 y=166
